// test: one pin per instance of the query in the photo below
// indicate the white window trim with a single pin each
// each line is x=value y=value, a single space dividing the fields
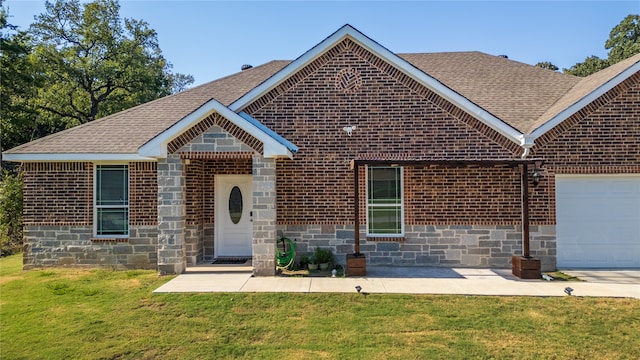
x=95 y=205
x=401 y=204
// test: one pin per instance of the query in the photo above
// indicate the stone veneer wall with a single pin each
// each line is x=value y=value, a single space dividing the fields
x=264 y=216
x=432 y=245
x=171 y=215
x=71 y=245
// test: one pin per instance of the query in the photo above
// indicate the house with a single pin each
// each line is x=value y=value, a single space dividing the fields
x=448 y=156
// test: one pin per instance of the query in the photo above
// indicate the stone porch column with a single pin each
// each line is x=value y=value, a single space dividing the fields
x=171 y=215
x=264 y=216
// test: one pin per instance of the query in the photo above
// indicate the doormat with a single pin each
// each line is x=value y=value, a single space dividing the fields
x=230 y=261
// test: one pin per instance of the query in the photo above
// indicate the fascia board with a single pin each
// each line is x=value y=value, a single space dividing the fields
x=157 y=147
x=586 y=100
x=391 y=58
x=74 y=157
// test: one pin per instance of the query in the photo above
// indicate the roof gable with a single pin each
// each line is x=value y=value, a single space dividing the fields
x=274 y=145
x=584 y=93
x=401 y=64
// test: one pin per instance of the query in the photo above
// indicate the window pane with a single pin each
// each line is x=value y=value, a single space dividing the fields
x=112 y=221
x=112 y=185
x=385 y=220
x=235 y=205
x=384 y=185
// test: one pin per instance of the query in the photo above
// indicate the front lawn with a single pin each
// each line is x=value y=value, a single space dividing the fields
x=103 y=314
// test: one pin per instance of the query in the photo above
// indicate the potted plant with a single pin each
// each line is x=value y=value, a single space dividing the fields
x=323 y=257
x=313 y=264
x=304 y=260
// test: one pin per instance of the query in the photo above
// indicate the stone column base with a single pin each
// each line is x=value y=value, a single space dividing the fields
x=525 y=268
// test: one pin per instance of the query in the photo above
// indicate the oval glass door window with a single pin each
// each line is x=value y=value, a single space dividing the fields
x=235 y=205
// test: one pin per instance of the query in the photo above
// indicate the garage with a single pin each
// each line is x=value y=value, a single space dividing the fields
x=598 y=221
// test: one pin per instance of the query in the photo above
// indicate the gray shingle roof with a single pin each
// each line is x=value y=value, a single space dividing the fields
x=514 y=92
x=126 y=131
x=581 y=89
x=521 y=95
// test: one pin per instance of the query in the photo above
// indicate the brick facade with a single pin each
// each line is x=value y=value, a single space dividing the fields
x=453 y=216
x=58 y=193
x=602 y=138
x=393 y=114
x=58 y=201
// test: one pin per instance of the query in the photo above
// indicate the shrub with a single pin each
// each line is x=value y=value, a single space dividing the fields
x=323 y=255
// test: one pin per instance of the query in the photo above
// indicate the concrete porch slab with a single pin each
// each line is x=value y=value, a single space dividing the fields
x=459 y=281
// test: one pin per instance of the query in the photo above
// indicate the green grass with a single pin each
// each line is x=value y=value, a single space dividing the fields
x=560 y=276
x=103 y=314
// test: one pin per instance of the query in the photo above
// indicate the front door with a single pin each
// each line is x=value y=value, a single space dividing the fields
x=234 y=212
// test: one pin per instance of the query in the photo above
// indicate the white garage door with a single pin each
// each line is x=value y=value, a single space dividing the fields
x=598 y=221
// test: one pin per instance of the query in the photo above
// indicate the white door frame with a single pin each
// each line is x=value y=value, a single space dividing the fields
x=225 y=229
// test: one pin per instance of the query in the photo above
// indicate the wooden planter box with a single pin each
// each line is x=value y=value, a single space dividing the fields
x=525 y=268
x=356 y=265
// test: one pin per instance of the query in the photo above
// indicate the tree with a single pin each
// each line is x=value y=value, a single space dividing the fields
x=10 y=213
x=18 y=86
x=547 y=65
x=95 y=63
x=589 y=66
x=623 y=42
x=623 y=39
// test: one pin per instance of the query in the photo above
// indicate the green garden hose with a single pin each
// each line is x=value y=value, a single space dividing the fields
x=284 y=258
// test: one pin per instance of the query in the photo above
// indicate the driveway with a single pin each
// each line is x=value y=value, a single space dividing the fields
x=606 y=276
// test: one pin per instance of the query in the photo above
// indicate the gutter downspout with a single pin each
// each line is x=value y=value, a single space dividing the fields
x=526 y=142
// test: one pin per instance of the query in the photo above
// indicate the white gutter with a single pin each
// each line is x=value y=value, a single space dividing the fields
x=62 y=157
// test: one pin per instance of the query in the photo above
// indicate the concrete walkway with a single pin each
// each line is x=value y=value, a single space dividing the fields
x=393 y=280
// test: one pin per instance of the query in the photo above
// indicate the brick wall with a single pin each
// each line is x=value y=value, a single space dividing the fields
x=200 y=180
x=58 y=202
x=602 y=138
x=456 y=196
x=58 y=193
x=143 y=193
x=393 y=114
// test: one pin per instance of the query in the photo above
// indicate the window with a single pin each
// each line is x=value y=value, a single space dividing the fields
x=385 y=212
x=112 y=201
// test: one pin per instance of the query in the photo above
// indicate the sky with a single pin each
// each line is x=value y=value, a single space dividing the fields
x=210 y=39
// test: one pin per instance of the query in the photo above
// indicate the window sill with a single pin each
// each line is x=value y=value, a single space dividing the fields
x=385 y=238
x=110 y=240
